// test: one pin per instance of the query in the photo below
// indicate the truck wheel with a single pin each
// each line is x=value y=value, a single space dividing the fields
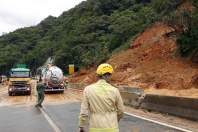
x=62 y=91
x=10 y=94
x=29 y=93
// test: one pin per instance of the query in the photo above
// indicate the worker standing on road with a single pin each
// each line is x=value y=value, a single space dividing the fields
x=65 y=82
x=102 y=102
x=40 y=92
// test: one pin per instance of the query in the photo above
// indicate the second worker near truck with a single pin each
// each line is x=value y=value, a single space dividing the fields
x=40 y=92
x=101 y=104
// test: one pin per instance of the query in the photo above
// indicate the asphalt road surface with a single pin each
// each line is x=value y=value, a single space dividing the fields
x=62 y=118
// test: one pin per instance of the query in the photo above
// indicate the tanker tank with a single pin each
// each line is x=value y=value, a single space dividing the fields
x=53 y=76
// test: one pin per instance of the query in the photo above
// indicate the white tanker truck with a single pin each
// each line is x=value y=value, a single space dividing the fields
x=54 y=78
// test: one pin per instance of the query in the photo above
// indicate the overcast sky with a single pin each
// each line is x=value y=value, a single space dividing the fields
x=22 y=13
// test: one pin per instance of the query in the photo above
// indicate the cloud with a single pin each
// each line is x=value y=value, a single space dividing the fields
x=22 y=13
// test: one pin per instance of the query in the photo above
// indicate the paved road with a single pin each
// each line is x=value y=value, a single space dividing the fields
x=65 y=117
x=23 y=119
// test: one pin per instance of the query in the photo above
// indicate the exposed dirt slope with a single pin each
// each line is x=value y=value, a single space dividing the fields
x=151 y=63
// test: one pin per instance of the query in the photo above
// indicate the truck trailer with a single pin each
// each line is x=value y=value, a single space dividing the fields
x=53 y=76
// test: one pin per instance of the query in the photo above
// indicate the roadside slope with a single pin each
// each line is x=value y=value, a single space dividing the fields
x=151 y=63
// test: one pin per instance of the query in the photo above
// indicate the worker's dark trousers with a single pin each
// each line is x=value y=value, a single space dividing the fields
x=40 y=98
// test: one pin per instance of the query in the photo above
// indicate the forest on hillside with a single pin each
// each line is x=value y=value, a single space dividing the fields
x=92 y=31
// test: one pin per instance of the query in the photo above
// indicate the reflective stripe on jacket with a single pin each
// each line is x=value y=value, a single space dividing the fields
x=103 y=130
x=104 y=104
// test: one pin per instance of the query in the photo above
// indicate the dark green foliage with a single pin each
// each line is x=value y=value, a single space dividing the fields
x=188 y=41
x=166 y=6
x=85 y=35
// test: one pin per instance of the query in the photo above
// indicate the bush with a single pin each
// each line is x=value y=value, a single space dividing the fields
x=188 y=41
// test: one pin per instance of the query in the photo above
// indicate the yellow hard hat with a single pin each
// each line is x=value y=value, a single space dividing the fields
x=104 y=68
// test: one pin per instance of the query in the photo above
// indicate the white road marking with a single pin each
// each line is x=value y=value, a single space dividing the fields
x=160 y=123
x=50 y=121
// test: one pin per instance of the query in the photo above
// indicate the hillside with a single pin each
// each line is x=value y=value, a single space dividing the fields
x=86 y=35
x=150 y=63
x=151 y=43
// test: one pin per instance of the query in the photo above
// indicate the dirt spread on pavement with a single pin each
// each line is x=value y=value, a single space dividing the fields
x=165 y=118
x=75 y=95
x=69 y=95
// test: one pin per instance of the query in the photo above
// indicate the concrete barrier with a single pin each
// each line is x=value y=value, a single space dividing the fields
x=132 y=96
x=76 y=85
x=135 y=97
x=183 y=107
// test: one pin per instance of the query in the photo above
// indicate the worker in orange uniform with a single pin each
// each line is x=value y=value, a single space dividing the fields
x=102 y=103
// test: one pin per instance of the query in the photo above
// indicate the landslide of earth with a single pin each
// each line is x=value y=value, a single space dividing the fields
x=151 y=63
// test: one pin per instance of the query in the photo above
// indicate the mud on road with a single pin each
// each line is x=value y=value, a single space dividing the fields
x=69 y=98
x=56 y=98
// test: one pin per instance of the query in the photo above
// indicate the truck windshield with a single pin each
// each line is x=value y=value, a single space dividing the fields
x=20 y=74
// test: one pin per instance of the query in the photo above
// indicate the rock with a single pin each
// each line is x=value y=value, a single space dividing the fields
x=194 y=81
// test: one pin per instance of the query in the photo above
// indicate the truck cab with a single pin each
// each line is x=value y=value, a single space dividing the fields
x=19 y=81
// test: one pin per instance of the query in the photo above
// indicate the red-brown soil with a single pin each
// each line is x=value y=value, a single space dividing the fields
x=151 y=63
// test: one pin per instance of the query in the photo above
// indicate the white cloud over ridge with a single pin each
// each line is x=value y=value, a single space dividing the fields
x=16 y=14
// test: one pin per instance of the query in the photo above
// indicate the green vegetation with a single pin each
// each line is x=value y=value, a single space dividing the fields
x=85 y=35
x=188 y=41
